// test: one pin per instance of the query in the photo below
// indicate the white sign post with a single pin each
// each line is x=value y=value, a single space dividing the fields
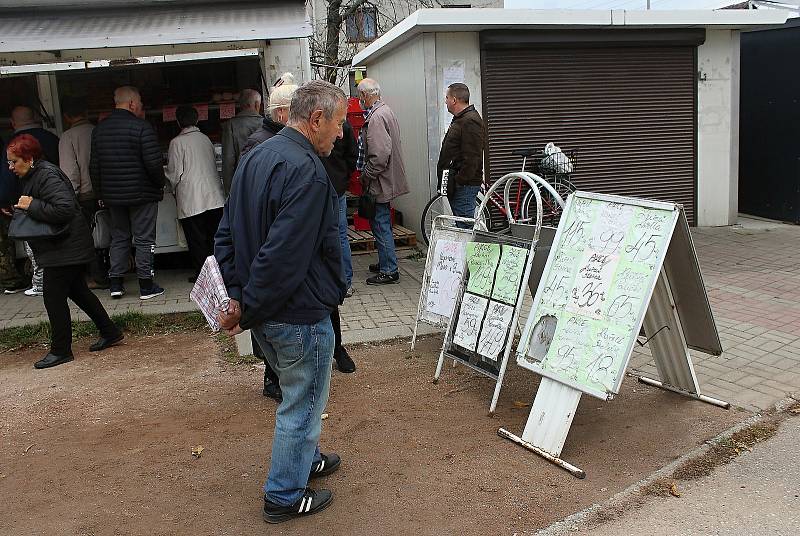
x=607 y=261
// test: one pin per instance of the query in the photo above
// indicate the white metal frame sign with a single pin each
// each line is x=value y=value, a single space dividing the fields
x=596 y=286
x=617 y=266
x=444 y=266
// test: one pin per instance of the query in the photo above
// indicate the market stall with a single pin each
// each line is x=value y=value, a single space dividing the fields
x=176 y=54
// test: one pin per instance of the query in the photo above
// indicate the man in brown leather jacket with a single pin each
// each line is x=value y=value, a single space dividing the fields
x=462 y=152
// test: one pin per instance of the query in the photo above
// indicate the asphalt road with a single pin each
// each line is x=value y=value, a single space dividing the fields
x=758 y=494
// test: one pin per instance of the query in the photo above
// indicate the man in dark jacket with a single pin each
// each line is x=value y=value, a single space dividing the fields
x=276 y=118
x=278 y=250
x=25 y=121
x=462 y=152
x=11 y=280
x=127 y=172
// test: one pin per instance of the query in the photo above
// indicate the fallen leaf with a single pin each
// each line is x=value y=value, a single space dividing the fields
x=518 y=404
x=673 y=490
x=795 y=410
x=197 y=451
x=27 y=449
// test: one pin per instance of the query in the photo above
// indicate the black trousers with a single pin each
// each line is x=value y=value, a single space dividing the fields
x=200 y=231
x=269 y=374
x=60 y=283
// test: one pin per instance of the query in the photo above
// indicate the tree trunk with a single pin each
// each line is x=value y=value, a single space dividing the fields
x=334 y=30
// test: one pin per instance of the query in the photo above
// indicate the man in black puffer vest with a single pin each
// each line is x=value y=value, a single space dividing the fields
x=128 y=177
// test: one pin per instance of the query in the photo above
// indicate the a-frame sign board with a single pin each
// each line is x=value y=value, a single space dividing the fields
x=618 y=266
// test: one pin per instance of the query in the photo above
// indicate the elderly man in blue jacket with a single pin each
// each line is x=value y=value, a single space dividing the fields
x=278 y=249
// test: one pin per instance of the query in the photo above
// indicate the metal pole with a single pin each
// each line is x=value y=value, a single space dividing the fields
x=574 y=471
x=702 y=398
x=648 y=4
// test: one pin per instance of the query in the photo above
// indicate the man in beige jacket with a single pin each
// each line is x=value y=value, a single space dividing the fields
x=74 y=152
x=380 y=160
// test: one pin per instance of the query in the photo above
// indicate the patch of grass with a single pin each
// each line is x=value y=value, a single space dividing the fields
x=227 y=347
x=131 y=322
x=416 y=255
x=726 y=450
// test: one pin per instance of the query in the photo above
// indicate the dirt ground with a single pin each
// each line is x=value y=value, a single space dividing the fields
x=102 y=445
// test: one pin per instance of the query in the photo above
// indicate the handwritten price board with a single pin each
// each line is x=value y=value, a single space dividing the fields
x=595 y=290
x=494 y=278
x=445 y=277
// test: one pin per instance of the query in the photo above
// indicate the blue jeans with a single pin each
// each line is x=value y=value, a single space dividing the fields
x=463 y=203
x=347 y=258
x=301 y=357
x=382 y=230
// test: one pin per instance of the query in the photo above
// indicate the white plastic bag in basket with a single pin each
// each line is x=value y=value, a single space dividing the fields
x=554 y=160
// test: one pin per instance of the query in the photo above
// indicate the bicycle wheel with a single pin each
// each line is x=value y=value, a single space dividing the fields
x=551 y=208
x=437 y=206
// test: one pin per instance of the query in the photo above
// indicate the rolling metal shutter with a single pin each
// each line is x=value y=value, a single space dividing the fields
x=629 y=111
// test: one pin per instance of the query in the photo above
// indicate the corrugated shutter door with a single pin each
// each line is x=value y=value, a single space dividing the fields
x=628 y=111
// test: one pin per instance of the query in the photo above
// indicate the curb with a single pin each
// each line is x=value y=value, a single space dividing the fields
x=576 y=521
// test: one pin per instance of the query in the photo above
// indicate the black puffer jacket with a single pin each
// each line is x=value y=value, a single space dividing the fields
x=342 y=161
x=268 y=129
x=126 y=165
x=54 y=201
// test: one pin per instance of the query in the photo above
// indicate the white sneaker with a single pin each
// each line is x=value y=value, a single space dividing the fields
x=33 y=291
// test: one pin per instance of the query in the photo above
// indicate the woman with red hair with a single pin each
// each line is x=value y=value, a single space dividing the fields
x=48 y=196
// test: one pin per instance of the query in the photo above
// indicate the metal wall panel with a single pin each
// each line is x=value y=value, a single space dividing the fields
x=629 y=111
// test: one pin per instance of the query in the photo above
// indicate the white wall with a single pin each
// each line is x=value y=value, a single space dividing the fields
x=402 y=79
x=455 y=53
x=287 y=55
x=718 y=128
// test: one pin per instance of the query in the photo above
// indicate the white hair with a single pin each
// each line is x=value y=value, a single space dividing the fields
x=368 y=86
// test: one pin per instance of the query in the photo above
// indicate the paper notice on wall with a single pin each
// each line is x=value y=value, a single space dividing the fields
x=202 y=111
x=495 y=328
x=453 y=72
x=168 y=113
x=448 y=265
x=227 y=110
x=470 y=316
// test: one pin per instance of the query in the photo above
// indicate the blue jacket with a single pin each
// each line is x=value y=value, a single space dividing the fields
x=278 y=242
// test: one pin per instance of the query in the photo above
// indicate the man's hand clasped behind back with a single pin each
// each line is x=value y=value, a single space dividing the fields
x=229 y=318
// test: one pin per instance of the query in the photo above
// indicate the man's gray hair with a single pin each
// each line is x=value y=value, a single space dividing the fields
x=250 y=98
x=369 y=86
x=312 y=96
x=125 y=94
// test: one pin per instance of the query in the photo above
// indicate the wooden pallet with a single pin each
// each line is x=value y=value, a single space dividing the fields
x=363 y=242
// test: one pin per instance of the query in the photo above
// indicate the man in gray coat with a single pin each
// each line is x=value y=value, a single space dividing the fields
x=236 y=131
x=380 y=160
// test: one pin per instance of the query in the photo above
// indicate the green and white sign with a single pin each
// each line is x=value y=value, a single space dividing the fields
x=595 y=290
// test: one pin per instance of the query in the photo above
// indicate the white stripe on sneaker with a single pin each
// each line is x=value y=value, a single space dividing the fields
x=308 y=506
x=302 y=505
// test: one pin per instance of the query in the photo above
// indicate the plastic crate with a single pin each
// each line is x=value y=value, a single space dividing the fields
x=362 y=224
x=355 y=183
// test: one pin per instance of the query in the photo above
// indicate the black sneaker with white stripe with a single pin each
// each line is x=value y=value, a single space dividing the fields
x=327 y=464
x=312 y=502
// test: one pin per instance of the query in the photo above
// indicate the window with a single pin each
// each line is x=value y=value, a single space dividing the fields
x=362 y=25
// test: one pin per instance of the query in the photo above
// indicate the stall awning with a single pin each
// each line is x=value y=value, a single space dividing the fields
x=129 y=27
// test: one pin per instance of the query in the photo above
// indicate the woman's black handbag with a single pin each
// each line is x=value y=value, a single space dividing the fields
x=23 y=226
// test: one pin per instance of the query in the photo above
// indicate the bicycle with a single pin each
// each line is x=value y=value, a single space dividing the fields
x=519 y=201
